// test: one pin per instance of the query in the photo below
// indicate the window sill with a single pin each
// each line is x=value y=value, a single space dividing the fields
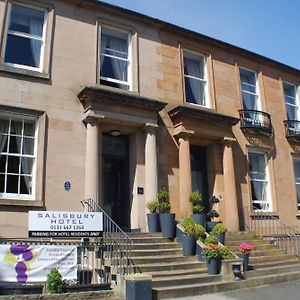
x=20 y=202
x=24 y=72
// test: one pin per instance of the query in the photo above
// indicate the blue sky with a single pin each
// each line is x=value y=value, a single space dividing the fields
x=267 y=27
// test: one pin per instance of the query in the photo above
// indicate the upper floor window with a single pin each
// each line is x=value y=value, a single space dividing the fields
x=17 y=156
x=195 y=78
x=297 y=179
x=25 y=37
x=259 y=179
x=115 y=58
x=249 y=88
x=291 y=103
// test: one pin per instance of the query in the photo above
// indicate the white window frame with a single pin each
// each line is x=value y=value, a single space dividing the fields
x=28 y=36
x=297 y=182
x=256 y=94
x=296 y=98
x=127 y=83
x=194 y=55
x=19 y=196
x=268 y=203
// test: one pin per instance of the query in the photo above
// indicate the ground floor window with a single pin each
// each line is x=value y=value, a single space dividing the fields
x=259 y=180
x=17 y=156
x=297 y=179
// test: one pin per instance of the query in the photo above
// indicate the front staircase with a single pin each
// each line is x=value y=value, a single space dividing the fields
x=177 y=276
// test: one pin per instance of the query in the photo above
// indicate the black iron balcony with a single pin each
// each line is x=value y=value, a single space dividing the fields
x=292 y=130
x=255 y=122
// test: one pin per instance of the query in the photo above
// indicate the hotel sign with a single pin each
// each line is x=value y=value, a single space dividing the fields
x=64 y=224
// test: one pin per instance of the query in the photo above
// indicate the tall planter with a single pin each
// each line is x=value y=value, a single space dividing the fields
x=210 y=225
x=221 y=238
x=188 y=245
x=168 y=224
x=214 y=265
x=199 y=219
x=153 y=222
x=245 y=257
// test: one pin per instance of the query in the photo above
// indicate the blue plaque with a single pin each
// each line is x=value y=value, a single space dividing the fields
x=67 y=186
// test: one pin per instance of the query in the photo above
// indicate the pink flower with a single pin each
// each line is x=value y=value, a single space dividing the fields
x=245 y=248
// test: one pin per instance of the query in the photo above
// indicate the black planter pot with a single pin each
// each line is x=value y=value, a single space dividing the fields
x=210 y=226
x=221 y=238
x=153 y=222
x=199 y=219
x=214 y=265
x=245 y=258
x=167 y=223
x=20 y=289
x=188 y=245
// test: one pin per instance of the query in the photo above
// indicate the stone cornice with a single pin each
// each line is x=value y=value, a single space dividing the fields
x=92 y=96
x=201 y=114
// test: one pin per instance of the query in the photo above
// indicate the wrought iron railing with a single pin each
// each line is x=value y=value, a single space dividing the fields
x=255 y=121
x=292 y=130
x=269 y=227
x=115 y=242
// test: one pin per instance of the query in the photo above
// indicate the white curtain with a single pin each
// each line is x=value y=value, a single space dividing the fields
x=119 y=65
x=26 y=163
x=3 y=138
x=35 y=29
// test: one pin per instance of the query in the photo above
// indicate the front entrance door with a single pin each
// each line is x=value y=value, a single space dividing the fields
x=116 y=179
x=199 y=174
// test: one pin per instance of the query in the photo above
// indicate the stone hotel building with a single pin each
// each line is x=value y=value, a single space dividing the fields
x=101 y=102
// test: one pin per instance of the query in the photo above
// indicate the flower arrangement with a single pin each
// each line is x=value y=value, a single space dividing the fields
x=245 y=248
x=212 y=251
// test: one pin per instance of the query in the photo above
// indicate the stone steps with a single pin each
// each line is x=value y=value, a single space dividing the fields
x=161 y=259
x=157 y=246
x=152 y=252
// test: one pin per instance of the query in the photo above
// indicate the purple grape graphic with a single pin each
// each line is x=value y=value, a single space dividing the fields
x=27 y=255
x=18 y=249
x=21 y=267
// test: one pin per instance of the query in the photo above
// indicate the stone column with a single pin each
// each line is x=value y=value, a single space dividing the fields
x=231 y=205
x=93 y=159
x=185 y=176
x=150 y=162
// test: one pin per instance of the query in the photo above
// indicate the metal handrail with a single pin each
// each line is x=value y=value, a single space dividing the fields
x=269 y=227
x=116 y=243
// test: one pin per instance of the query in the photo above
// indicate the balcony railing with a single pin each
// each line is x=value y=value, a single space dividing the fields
x=255 y=121
x=292 y=130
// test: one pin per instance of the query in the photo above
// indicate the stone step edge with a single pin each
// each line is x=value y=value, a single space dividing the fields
x=249 y=281
x=185 y=277
x=196 y=262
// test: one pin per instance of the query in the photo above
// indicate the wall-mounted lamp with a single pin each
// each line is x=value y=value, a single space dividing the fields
x=115 y=132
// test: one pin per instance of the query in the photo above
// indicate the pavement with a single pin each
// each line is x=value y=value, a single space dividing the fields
x=280 y=291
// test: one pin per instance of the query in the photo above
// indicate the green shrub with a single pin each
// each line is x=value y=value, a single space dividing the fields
x=163 y=196
x=211 y=240
x=219 y=229
x=199 y=232
x=226 y=253
x=195 y=198
x=188 y=225
x=197 y=209
x=164 y=207
x=153 y=206
x=54 y=281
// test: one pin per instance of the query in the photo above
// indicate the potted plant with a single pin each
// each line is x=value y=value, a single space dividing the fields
x=188 y=238
x=245 y=249
x=213 y=255
x=212 y=215
x=200 y=235
x=219 y=232
x=197 y=208
x=167 y=220
x=152 y=217
x=54 y=282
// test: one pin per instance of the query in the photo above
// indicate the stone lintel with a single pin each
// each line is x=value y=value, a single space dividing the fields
x=181 y=132
x=228 y=141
